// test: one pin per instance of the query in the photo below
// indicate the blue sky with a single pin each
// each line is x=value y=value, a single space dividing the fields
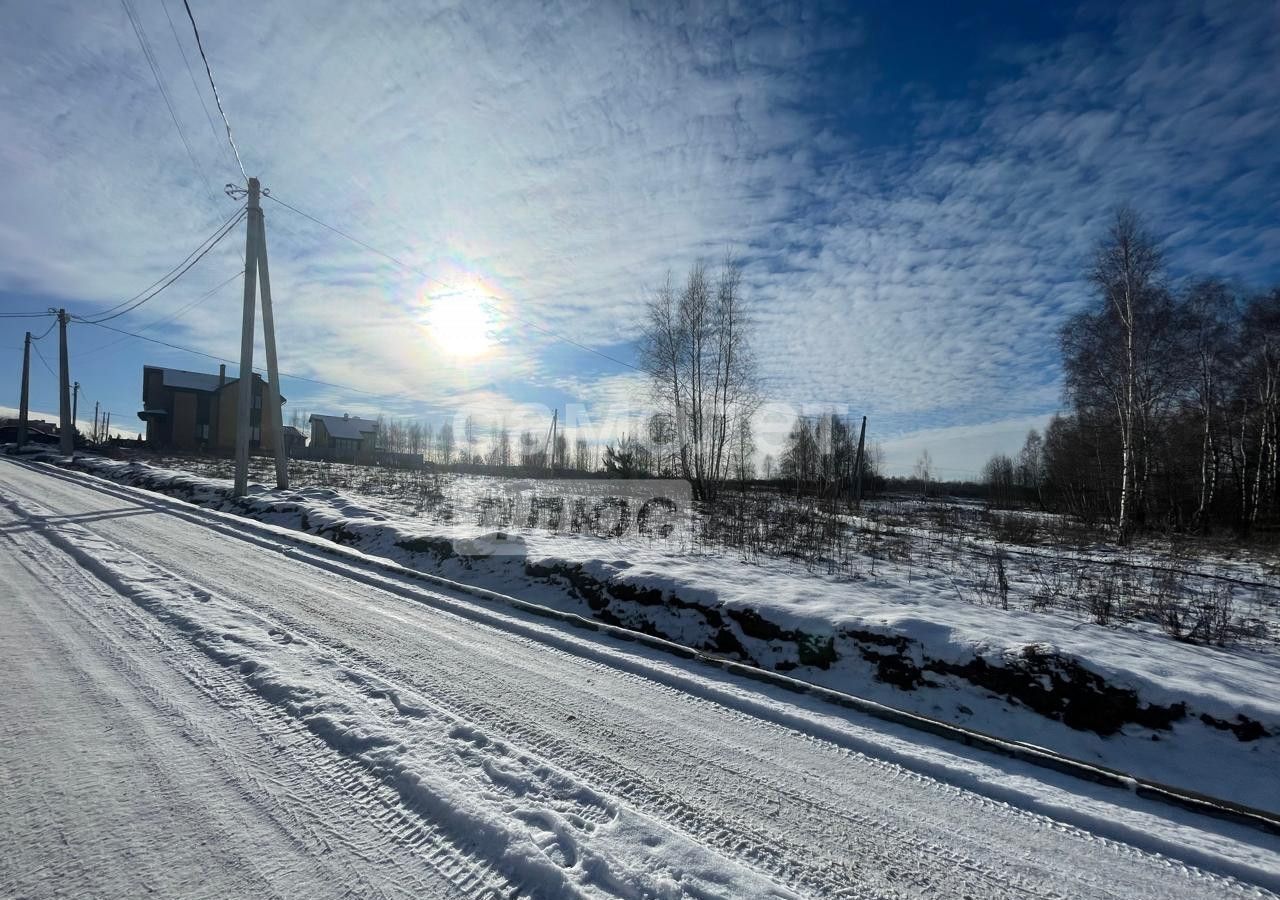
x=914 y=191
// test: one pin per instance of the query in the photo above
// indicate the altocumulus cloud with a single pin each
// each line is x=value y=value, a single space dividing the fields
x=569 y=154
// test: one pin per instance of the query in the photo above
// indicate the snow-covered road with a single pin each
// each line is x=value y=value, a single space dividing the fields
x=192 y=712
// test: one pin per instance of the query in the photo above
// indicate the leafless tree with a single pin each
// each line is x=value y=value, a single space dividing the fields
x=560 y=451
x=1104 y=350
x=924 y=470
x=696 y=350
x=582 y=460
x=662 y=434
x=500 y=445
x=471 y=436
x=1259 y=403
x=742 y=454
x=1209 y=309
x=413 y=437
x=1030 y=469
x=446 y=443
x=1000 y=476
x=529 y=455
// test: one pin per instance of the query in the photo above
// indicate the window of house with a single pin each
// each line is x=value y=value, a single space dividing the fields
x=202 y=431
x=255 y=434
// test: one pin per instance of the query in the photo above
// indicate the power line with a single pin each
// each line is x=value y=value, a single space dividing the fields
x=31 y=315
x=155 y=72
x=172 y=275
x=213 y=129
x=187 y=268
x=40 y=355
x=167 y=318
x=214 y=87
x=45 y=333
x=453 y=287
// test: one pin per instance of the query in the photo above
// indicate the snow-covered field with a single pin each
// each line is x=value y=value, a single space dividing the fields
x=905 y=628
x=196 y=706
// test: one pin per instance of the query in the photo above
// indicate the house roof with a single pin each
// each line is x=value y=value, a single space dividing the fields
x=197 y=381
x=192 y=381
x=346 y=426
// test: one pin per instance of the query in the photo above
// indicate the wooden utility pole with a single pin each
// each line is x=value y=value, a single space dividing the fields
x=95 y=421
x=857 y=491
x=255 y=269
x=75 y=408
x=66 y=434
x=26 y=389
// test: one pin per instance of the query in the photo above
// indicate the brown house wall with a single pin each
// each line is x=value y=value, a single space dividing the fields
x=184 y=420
x=228 y=400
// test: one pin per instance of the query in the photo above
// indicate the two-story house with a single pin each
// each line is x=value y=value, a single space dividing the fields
x=197 y=411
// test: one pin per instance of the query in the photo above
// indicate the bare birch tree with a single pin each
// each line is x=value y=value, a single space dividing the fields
x=1103 y=349
x=697 y=352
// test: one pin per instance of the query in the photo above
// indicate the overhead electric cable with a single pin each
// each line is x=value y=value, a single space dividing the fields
x=40 y=355
x=45 y=333
x=166 y=318
x=208 y=117
x=187 y=268
x=155 y=73
x=172 y=275
x=216 y=99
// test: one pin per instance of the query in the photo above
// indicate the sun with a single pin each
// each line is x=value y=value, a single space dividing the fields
x=460 y=323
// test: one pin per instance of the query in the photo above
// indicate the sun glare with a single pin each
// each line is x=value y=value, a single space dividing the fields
x=460 y=323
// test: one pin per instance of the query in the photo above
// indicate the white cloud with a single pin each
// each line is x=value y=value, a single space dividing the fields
x=569 y=155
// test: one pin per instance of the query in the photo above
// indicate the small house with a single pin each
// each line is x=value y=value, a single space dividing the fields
x=343 y=438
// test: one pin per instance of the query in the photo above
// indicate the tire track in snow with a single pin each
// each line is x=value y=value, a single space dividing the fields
x=290 y=675
x=342 y=613
x=289 y=774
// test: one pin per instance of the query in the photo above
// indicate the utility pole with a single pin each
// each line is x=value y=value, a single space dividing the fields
x=551 y=457
x=67 y=442
x=276 y=414
x=857 y=491
x=255 y=268
x=106 y=428
x=95 y=421
x=75 y=408
x=246 y=341
x=26 y=388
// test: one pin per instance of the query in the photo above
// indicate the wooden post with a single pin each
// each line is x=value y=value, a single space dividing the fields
x=246 y=340
x=26 y=389
x=66 y=435
x=95 y=421
x=272 y=410
x=75 y=408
